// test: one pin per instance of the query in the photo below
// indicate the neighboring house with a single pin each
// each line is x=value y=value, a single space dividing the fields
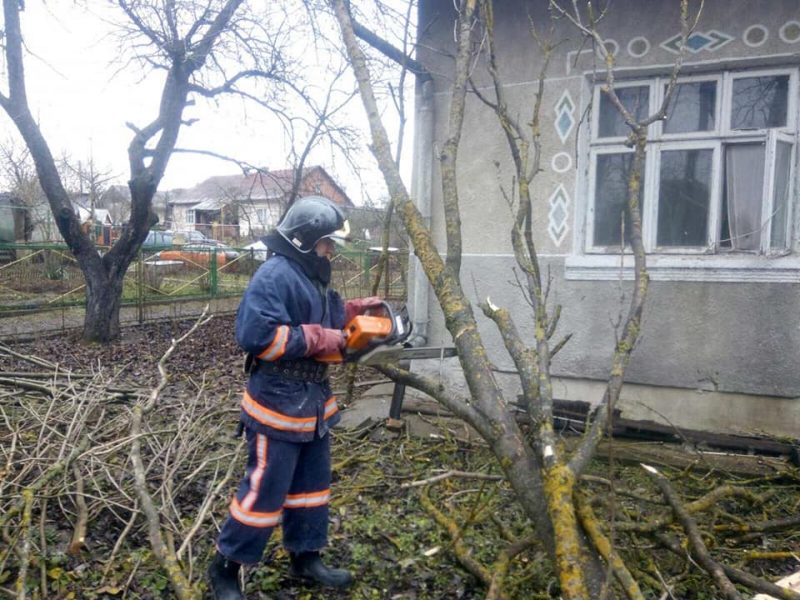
x=96 y=222
x=40 y=225
x=245 y=206
x=117 y=200
x=15 y=224
x=100 y=217
x=82 y=205
x=720 y=342
x=15 y=220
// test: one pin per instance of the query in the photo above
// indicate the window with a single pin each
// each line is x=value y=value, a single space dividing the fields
x=718 y=171
x=190 y=217
x=262 y=218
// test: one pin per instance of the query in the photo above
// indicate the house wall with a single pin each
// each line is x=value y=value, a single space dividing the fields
x=721 y=335
x=8 y=230
x=250 y=225
x=179 y=217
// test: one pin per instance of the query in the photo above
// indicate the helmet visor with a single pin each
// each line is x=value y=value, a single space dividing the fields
x=340 y=236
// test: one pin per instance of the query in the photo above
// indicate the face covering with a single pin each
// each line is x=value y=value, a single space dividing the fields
x=315 y=267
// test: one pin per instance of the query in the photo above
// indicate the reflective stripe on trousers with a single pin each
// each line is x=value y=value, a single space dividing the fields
x=287 y=483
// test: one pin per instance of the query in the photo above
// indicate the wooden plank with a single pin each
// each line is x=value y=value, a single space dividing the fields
x=571 y=416
x=658 y=454
x=659 y=442
x=679 y=457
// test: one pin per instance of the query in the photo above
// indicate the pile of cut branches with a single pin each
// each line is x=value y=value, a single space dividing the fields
x=80 y=451
x=672 y=533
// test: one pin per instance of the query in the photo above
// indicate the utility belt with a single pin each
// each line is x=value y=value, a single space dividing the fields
x=301 y=369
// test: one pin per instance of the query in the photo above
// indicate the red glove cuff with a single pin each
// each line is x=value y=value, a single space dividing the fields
x=321 y=340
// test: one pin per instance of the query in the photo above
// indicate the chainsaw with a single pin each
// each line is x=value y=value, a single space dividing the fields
x=378 y=331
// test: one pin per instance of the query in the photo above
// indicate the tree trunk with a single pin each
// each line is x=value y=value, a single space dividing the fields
x=103 y=301
x=556 y=526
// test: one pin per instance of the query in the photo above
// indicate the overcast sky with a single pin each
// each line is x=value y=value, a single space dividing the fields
x=83 y=101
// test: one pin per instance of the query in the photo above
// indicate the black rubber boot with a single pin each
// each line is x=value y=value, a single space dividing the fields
x=308 y=566
x=224 y=577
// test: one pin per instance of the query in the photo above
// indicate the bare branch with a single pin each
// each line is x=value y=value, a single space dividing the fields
x=164 y=552
x=632 y=325
x=699 y=550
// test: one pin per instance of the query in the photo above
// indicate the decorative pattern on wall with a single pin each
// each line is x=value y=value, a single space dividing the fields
x=755 y=36
x=558 y=214
x=561 y=162
x=790 y=32
x=612 y=47
x=712 y=40
x=638 y=46
x=565 y=119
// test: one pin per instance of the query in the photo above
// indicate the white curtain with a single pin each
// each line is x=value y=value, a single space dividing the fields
x=744 y=183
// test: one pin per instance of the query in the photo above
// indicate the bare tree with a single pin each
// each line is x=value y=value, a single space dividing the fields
x=87 y=180
x=204 y=49
x=116 y=200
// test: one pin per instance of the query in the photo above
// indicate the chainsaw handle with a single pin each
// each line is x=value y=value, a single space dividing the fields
x=334 y=358
x=399 y=330
x=383 y=306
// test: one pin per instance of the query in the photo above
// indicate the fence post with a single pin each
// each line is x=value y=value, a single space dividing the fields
x=387 y=275
x=213 y=272
x=140 y=286
x=366 y=279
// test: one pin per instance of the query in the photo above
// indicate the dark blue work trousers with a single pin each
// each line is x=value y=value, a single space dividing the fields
x=287 y=483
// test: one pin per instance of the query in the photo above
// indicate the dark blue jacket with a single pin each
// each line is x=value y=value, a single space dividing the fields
x=280 y=298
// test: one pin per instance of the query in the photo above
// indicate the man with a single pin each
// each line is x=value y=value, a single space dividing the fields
x=288 y=318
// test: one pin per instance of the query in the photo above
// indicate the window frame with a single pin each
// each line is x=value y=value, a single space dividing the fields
x=263 y=217
x=661 y=84
x=598 y=93
x=650 y=229
x=716 y=140
x=791 y=108
x=768 y=207
x=590 y=207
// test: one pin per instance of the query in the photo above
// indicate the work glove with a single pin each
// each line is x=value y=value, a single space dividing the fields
x=358 y=306
x=321 y=340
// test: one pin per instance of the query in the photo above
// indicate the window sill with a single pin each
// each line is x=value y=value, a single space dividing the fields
x=721 y=268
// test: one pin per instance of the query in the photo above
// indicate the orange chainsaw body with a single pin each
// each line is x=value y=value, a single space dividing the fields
x=366 y=332
x=363 y=329
x=359 y=333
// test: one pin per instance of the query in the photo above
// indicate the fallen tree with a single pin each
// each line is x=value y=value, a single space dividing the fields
x=540 y=469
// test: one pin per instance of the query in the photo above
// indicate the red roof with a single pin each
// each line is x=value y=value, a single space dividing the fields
x=259 y=185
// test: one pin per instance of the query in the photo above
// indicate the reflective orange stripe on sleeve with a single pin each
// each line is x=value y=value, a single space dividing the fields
x=275 y=419
x=331 y=407
x=278 y=346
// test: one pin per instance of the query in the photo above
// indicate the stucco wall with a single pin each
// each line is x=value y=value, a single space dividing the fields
x=713 y=337
x=737 y=338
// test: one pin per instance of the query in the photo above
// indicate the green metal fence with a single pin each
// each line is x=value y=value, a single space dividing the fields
x=43 y=277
